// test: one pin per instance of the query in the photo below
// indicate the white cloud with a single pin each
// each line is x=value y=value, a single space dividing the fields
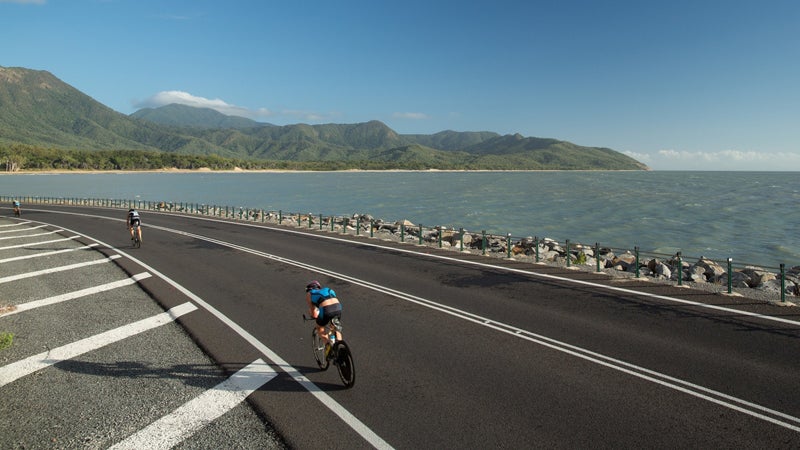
x=410 y=115
x=719 y=160
x=184 y=98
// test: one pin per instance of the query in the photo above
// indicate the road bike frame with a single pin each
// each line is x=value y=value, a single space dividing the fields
x=340 y=354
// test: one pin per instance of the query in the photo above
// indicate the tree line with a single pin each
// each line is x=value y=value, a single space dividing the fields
x=15 y=157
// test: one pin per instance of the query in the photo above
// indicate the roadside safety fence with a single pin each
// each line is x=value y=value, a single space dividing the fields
x=634 y=262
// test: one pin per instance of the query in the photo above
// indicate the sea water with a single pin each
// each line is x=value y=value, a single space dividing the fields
x=752 y=217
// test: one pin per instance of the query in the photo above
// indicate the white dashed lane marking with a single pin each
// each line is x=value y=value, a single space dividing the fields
x=39 y=255
x=27 y=366
x=77 y=294
x=28 y=244
x=57 y=269
x=167 y=431
x=21 y=229
x=29 y=235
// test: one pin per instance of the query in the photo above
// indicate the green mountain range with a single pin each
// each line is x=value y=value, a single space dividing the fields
x=38 y=109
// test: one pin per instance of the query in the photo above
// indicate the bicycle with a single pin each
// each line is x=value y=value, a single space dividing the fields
x=137 y=243
x=339 y=354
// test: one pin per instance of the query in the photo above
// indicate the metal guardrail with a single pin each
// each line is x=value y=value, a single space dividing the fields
x=539 y=250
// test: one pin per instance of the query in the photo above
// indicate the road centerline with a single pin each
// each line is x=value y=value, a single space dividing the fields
x=700 y=392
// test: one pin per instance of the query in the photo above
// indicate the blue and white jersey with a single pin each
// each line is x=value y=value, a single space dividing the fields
x=320 y=295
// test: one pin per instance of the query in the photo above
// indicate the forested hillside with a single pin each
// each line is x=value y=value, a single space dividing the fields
x=41 y=115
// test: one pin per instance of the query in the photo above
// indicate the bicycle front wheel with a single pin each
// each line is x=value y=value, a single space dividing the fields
x=344 y=363
x=318 y=347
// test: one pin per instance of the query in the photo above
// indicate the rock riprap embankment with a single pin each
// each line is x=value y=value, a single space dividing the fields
x=704 y=273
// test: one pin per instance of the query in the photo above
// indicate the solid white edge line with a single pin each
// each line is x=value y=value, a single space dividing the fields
x=656 y=377
x=443 y=309
x=76 y=294
x=183 y=422
x=563 y=279
x=352 y=421
x=46 y=359
x=478 y=264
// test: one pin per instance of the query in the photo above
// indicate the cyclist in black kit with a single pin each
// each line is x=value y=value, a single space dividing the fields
x=134 y=223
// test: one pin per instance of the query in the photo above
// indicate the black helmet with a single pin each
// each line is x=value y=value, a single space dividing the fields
x=314 y=284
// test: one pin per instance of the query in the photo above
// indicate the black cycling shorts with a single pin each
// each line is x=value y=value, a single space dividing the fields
x=329 y=312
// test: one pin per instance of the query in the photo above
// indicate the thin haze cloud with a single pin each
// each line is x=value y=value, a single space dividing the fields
x=410 y=115
x=719 y=160
x=259 y=114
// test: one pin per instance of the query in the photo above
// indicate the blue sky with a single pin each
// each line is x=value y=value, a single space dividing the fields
x=678 y=85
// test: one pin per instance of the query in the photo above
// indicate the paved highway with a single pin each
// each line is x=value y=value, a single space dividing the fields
x=456 y=350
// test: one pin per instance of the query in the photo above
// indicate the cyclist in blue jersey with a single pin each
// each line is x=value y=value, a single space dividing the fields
x=323 y=306
x=134 y=223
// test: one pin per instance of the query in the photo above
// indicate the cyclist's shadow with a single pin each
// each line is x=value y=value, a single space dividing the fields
x=284 y=382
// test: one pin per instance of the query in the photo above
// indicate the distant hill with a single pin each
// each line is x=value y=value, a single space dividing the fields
x=38 y=109
x=452 y=140
x=187 y=116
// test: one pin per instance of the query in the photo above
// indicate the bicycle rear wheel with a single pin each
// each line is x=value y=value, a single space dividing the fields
x=344 y=363
x=318 y=347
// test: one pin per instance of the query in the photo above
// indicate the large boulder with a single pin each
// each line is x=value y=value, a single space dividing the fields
x=659 y=269
x=625 y=262
x=739 y=280
x=697 y=274
x=711 y=270
x=759 y=276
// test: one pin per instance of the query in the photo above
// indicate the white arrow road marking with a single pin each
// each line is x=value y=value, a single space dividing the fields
x=182 y=423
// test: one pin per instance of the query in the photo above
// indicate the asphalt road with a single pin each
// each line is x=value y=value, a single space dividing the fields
x=455 y=350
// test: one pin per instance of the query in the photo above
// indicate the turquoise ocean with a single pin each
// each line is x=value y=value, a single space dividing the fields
x=752 y=217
